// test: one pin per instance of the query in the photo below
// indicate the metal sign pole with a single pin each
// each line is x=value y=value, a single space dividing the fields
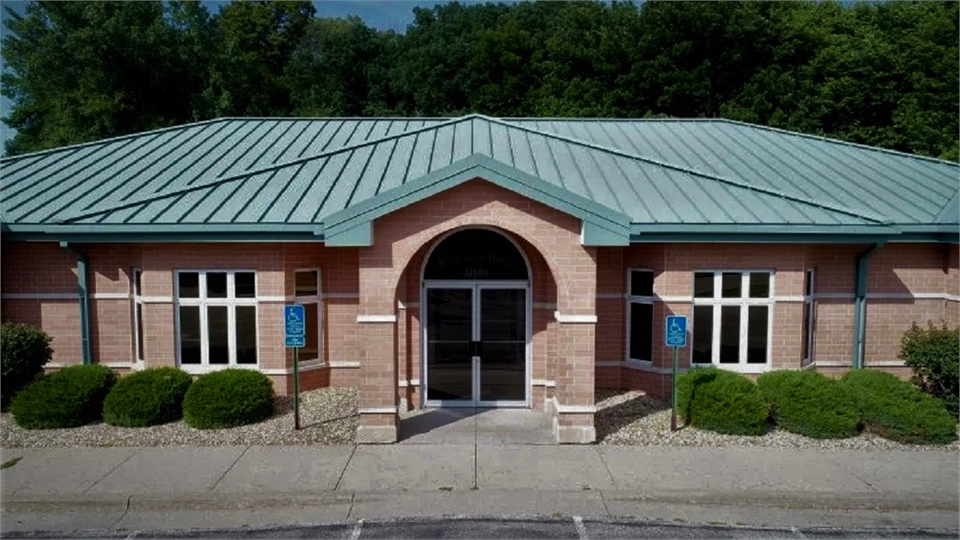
x=673 y=413
x=296 y=388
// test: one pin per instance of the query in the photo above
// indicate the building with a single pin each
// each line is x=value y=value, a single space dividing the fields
x=478 y=261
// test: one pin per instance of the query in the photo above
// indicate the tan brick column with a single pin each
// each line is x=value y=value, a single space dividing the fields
x=576 y=360
x=377 y=335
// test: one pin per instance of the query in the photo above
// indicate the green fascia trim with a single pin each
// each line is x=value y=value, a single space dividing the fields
x=164 y=232
x=804 y=234
x=601 y=224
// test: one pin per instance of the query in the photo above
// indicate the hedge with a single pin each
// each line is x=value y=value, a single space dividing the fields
x=933 y=353
x=24 y=350
x=228 y=398
x=811 y=404
x=721 y=401
x=897 y=410
x=68 y=398
x=147 y=398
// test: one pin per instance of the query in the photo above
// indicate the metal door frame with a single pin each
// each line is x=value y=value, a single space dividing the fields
x=476 y=286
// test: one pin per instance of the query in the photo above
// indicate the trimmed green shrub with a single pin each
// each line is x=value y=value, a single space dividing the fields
x=228 y=398
x=24 y=350
x=68 y=398
x=721 y=401
x=811 y=404
x=933 y=353
x=147 y=398
x=897 y=410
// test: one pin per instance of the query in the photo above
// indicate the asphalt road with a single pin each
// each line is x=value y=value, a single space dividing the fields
x=575 y=529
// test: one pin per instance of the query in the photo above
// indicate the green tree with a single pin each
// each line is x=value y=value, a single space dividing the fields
x=77 y=71
x=255 y=41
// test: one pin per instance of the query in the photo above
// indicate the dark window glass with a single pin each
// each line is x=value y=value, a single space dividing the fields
x=808 y=283
x=218 y=341
x=759 y=285
x=136 y=282
x=216 y=285
x=729 y=334
x=702 y=334
x=732 y=283
x=703 y=284
x=476 y=254
x=189 y=334
x=757 y=335
x=306 y=283
x=247 y=334
x=806 y=331
x=641 y=329
x=311 y=328
x=641 y=283
x=245 y=285
x=139 y=322
x=189 y=284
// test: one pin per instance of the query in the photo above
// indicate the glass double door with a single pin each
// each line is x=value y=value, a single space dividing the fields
x=476 y=345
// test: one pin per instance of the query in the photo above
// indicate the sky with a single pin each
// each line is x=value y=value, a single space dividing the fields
x=381 y=14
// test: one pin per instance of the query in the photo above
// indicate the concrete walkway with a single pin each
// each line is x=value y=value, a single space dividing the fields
x=150 y=488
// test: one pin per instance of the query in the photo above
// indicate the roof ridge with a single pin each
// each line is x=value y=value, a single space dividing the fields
x=833 y=140
x=247 y=174
x=740 y=184
x=951 y=204
x=110 y=140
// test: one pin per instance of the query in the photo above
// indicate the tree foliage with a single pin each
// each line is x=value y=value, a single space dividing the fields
x=883 y=74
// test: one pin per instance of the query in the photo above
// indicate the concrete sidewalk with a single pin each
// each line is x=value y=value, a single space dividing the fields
x=146 y=488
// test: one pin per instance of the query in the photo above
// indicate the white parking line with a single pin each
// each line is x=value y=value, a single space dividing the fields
x=581 y=530
x=355 y=533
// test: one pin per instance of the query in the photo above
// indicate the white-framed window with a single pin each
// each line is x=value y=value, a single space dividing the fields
x=808 y=315
x=216 y=318
x=307 y=292
x=732 y=318
x=640 y=315
x=136 y=277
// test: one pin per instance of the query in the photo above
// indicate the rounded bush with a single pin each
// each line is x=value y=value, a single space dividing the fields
x=810 y=403
x=932 y=354
x=147 y=398
x=24 y=350
x=68 y=398
x=721 y=401
x=897 y=410
x=228 y=398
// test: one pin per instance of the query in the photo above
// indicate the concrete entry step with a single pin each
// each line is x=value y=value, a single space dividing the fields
x=482 y=426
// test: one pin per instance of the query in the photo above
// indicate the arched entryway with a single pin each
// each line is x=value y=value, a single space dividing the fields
x=476 y=311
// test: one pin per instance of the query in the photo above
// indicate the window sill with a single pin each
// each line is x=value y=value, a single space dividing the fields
x=737 y=368
x=195 y=369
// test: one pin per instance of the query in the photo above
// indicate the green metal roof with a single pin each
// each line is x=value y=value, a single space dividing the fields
x=639 y=180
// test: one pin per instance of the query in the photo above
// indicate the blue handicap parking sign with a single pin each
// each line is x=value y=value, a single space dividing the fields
x=293 y=326
x=676 y=331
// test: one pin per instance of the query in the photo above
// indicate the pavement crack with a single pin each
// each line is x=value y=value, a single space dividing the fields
x=606 y=467
x=797 y=532
x=344 y=470
x=230 y=468
x=353 y=496
x=115 y=467
x=126 y=510
x=603 y=501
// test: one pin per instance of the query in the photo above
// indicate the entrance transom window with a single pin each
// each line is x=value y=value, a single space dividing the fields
x=476 y=333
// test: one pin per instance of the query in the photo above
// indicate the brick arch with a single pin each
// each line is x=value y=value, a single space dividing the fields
x=553 y=234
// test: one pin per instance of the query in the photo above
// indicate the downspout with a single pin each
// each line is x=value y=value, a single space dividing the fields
x=860 y=302
x=84 y=301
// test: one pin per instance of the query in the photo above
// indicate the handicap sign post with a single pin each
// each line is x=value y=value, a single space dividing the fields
x=676 y=334
x=294 y=337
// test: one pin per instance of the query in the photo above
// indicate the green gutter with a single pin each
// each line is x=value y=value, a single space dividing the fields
x=859 y=303
x=84 y=301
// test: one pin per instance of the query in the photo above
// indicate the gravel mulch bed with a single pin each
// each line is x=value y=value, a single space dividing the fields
x=327 y=416
x=633 y=418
